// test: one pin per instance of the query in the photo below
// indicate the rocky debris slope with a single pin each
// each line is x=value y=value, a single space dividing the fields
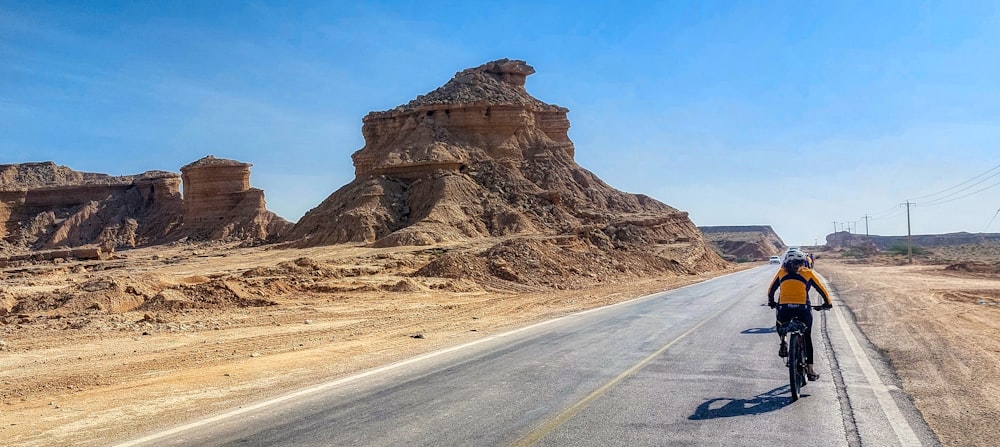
x=44 y=206
x=480 y=157
x=744 y=242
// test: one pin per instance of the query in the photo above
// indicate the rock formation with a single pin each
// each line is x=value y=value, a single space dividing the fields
x=480 y=157
x=744 y=243
x=220 y=204
x=46 y=206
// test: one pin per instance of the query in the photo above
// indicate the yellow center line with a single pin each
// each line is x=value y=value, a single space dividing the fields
x=560 y=419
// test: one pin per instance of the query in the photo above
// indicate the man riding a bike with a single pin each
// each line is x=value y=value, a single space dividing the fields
x=794 y=280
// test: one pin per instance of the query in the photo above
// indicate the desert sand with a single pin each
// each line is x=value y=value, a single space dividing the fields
x=77 y=372
x=938 y=322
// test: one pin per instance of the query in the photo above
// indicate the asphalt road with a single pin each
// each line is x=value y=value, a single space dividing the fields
x=694 y=366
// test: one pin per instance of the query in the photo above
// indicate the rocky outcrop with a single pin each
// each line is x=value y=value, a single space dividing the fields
x=480 y=157
x=220 y=204
x=483 y=113
x=45 y=206
x=744 y=243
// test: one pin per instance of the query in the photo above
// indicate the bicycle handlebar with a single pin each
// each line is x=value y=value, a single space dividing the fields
x=820 y=307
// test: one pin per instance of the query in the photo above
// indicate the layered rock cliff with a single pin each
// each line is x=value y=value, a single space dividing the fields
x=46 y=206
x=481 y=157
x=219 y=203
x=744 y=243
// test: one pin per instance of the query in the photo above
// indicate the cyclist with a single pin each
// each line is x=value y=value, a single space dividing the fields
x=794 y=280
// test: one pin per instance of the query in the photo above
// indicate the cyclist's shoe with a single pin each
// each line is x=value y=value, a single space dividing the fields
x=783 y=349
x=812 y=377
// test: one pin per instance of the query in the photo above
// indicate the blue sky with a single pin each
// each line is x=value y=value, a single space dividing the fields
x=793 y=114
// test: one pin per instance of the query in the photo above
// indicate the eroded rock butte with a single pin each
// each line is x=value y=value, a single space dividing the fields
x=480 y=157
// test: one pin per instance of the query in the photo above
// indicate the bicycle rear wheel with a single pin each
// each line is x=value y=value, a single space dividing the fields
x=794 y=371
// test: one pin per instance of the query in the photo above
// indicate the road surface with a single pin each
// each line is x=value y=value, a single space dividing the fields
x=694 y=366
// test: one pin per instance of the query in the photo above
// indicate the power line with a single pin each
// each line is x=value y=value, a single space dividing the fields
x=963 y=183
x=882 y=214
x=954 y=194
x=944 y=200
x=896 y=213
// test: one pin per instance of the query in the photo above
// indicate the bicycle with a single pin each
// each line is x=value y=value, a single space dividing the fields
x=794 y=330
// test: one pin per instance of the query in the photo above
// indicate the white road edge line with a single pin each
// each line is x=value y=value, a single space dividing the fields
x=904 y=433
x=334 y=383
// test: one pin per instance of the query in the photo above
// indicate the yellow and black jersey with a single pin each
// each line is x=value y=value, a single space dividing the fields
x=795 y=286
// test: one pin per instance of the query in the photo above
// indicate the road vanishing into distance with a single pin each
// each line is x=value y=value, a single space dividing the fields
x=694 y=366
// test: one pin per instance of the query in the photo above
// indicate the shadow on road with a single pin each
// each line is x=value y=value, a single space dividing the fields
x=760 y=330
x=762 y=403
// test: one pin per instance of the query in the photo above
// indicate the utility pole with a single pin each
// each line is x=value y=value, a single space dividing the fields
x=866 y=217
x=834 y=226
x=909 y=243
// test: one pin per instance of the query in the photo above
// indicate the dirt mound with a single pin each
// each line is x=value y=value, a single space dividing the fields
x=455 y=265
x=216 y=294
x=560 y=263
x=116 y=295
x=102 y=294
x=405 y=285
x=981 y=296
x=980 y=268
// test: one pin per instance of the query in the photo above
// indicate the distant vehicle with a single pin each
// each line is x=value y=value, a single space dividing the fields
x=775 y=260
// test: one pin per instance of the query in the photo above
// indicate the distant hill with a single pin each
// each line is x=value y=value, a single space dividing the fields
x=744 y=242
x=844 y=239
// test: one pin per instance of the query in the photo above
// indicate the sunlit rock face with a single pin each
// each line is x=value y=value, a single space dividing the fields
x=480 y=157
x=483 y=113
x=220 y=204
x=44 y=205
